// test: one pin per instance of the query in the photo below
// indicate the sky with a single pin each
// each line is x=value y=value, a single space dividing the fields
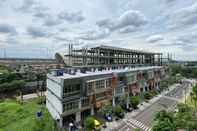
x=39 y=28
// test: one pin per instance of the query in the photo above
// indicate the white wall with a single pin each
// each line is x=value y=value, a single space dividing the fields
x=55 y=87
x=57 y=104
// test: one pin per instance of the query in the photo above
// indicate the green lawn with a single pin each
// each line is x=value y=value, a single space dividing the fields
x=4 y=71
x=190 y=102
x=17 y=117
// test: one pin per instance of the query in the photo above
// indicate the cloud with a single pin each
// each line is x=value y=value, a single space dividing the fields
x=52 y=21
x=72 y=17
x=154 y=38
x=37 y=32
x=127 y=22
x=95 y=34
x=128 y=29
x=7 y=29
x=183 y=17
x=32 y=6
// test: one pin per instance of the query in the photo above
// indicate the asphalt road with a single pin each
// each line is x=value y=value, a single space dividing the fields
x=147 y=115
x=144 y=118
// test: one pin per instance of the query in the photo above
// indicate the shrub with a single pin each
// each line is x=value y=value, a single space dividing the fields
x=89 y=123
x=135 y=100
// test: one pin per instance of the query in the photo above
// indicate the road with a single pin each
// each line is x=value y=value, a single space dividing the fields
x=143 y=118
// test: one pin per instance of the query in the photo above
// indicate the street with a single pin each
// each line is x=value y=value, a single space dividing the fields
x=144 y=116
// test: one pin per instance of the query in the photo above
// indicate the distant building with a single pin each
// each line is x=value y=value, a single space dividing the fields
x=83 y=88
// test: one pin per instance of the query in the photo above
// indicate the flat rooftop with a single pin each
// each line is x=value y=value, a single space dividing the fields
x=103 y=72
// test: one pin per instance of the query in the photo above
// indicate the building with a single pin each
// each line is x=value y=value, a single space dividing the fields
x=81 y=90
x=107 y=55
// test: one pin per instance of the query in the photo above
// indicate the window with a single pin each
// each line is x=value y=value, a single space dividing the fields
x=100 y=96
x=90 y=86
x=71 y=89
x=100 y=84
x=108 y=82
x=70 y=105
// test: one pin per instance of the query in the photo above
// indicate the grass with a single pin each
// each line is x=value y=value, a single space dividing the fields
x=22 y=117
x=189 y=101
x=4 y=71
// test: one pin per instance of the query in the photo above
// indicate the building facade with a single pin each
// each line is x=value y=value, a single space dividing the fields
x=72 y=96
x=97 y=76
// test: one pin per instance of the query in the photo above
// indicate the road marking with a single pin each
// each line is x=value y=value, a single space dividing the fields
x=129 y=124
x=139 y=124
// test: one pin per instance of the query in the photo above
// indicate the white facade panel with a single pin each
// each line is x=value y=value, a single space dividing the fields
x=52 y=110
x=55 y=102
x=55 y=86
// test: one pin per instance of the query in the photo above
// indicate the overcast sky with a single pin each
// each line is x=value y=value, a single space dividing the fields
x=38 y=28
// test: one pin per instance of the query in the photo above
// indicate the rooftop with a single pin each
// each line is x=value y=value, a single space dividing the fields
x=103 y=72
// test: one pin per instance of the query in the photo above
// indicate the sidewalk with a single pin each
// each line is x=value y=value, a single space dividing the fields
x=30 y=96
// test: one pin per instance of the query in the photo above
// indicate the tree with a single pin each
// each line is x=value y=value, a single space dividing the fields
x=135 y=100
x=164 y=121
x=118 y=111
x=107 y=109
x=89 y=123
x=194 y=95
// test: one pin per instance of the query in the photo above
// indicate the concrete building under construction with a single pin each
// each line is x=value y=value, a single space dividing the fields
x=108 y=56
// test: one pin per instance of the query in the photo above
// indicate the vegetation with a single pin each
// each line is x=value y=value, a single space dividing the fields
x=107 y=109
x=135 y=100
x=17 y=117
x=193 y=95
x=118 y=111
x=89 y=123
x=185 y=118
x=185 y=71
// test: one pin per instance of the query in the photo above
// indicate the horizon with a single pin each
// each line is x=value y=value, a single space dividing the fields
x=39 y=29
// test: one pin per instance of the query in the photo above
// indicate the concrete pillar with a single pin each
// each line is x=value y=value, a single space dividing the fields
x=92 y=110
x=78 y=116
x=113 y=99
x=127 y=104
x=61 y=123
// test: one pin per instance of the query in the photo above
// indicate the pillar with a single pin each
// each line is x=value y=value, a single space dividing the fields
x=113 y=99
x=78 y=116
x=92 y=110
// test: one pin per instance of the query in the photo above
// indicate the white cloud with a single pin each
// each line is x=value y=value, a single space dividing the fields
x=95 y=34
x=129 y=20
x=72 y=17
x=154 y=38
x=183 y=17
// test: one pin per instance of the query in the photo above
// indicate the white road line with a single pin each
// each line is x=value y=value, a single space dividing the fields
x=138 y=124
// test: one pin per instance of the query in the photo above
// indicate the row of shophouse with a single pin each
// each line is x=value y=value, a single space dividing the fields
x=74 y=94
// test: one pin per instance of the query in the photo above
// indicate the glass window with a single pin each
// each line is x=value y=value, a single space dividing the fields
x=70 y=105
x=71 y=89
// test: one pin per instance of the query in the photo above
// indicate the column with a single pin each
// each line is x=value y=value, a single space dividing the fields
x=78 y=114
x=92 y=110
x=113 y=99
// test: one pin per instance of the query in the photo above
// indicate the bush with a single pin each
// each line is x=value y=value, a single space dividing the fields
x=135 y=100
x=107 y=109
x=89 y=123
x=118 y=111
x=147 y=95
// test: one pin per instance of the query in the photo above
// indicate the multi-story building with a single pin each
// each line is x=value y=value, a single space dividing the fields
x=76 y=92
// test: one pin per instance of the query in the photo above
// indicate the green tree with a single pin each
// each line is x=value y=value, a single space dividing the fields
x=118 y=111
x=134 y=100
x=107 y=109
x=194 y=95
x=89 y=123
x=164 y=121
